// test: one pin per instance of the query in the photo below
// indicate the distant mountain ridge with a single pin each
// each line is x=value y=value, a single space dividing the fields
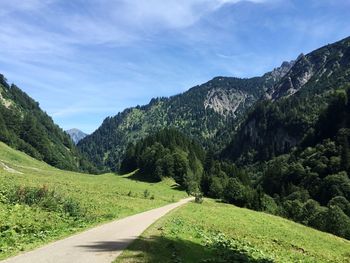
x=76 y=135
x=209 y=113
x=213 y=112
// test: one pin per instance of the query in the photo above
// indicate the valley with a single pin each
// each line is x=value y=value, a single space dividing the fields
x=39 y=203
x=251 y=169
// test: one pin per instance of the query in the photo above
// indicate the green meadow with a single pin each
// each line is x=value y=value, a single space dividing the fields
x=39 y=203
x=216 y=232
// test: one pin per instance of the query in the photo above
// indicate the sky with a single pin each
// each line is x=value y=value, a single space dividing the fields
x=84 y=60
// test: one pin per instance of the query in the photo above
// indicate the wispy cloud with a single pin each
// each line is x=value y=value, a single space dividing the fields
x=84 y=58
x=98 y=22
x=76 y=110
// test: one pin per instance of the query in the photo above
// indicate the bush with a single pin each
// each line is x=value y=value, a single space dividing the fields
x=236 y=193
x=269 y=205
x=146 y=193
x=337 y=222
x=293 y=209
x=44 y=198
x=335 y=185
x=341 y=202
x=311 y=211
x=198 y=198
x=217 y=186
x=332 y=220
x=72 y=208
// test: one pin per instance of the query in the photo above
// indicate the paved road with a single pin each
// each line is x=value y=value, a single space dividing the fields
x=97 y=245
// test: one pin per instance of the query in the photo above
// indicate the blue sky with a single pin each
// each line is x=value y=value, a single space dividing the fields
x=84 y=60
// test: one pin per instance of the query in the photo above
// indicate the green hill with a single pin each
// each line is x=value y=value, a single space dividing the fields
x=215 y=232
x=26 y=127
x=39 y=203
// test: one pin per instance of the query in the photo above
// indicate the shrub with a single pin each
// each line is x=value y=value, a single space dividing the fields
x=72 y=208
x=44 y=198
x=311 y=211
x=337 y=222
x=198 y=198
x=341 y=202
x=146 y=193
x=293 y=209
x=269 y=205
x=217 y=186
x=236 y=193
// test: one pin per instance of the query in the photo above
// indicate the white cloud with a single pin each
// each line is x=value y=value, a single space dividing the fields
x=170 y=13
x=7 y=7
x=50 y=31
x=99 y=22
x=43 y=46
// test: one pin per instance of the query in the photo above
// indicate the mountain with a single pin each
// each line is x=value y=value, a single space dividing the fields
x=294 y=145
x=24 y=126
x=293 y=105
x=76 y=135
x=207 y=113
x=324 y=65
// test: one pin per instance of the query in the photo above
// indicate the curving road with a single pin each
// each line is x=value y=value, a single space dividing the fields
x=101 y=244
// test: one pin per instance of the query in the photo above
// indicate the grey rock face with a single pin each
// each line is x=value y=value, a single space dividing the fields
x=76 y=135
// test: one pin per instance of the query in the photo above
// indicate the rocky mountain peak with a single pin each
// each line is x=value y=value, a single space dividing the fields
x=279 y=72
x=76 y=135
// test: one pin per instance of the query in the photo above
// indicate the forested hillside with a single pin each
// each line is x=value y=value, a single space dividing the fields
x=309 y=124
x=167 y=153
x=291 y=154
x=311 y=184
x=275 y=126
x=208 y=113
x=24 y=126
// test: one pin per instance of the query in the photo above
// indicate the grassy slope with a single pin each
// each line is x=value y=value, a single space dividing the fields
x=105 y=197
x=214 y=231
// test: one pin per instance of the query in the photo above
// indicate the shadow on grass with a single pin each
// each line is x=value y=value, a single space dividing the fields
x=177 y=187
x=138 y=176
x=165 y=250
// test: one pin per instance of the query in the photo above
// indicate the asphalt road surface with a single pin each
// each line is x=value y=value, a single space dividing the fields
x=101 y=244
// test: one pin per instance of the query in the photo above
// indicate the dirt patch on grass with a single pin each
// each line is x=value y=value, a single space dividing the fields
x=9 y=169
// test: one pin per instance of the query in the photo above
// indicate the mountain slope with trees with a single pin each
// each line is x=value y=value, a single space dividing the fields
x=275 y=125
x=208 y=113
x=24 y=126
x=311 y=184
x=167 y=153
x=290 y=156
x=295 y=147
